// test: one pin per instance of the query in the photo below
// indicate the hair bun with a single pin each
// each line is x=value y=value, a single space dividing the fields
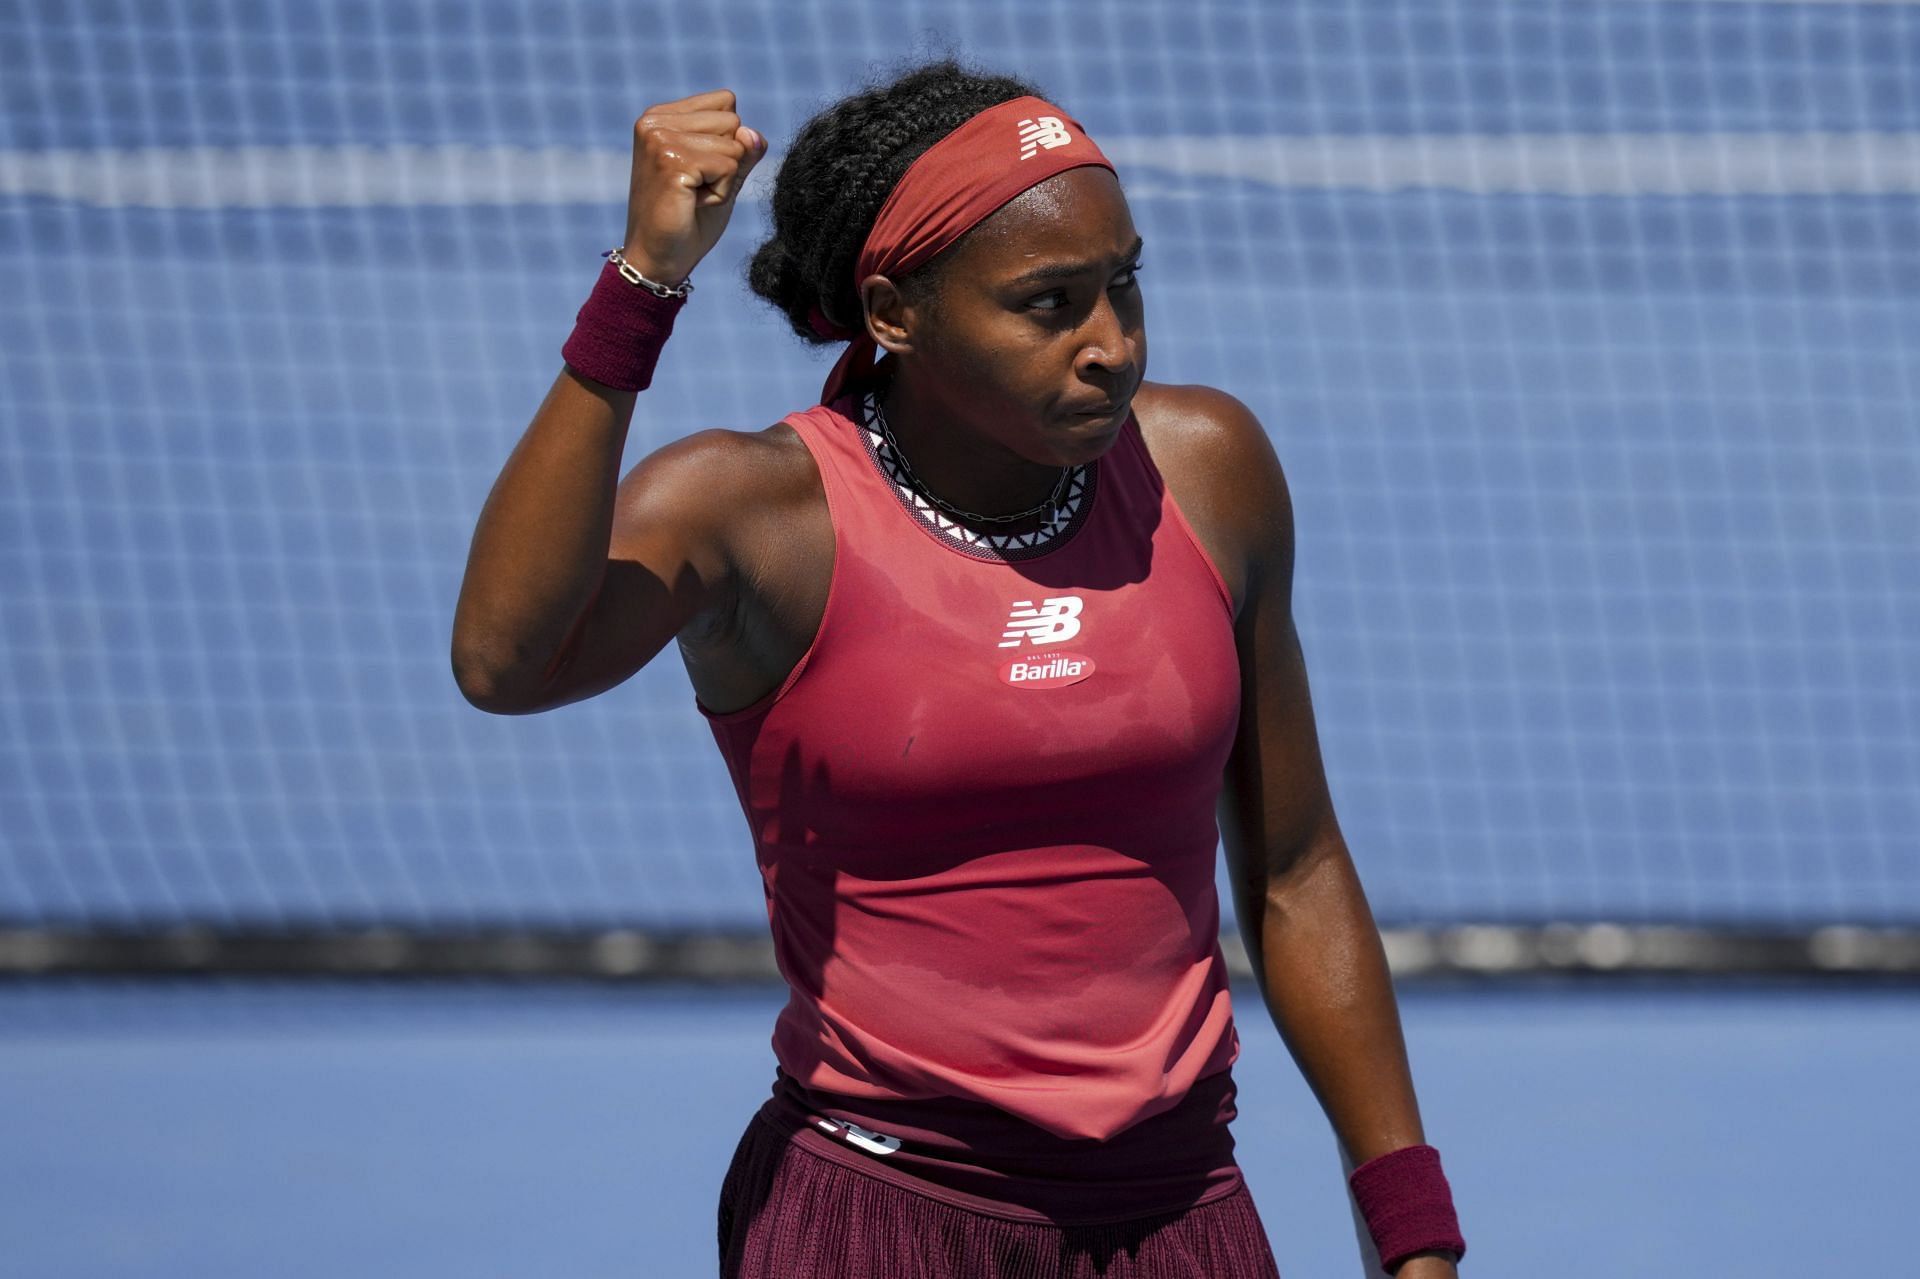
x=837 y=173
x=776 y=275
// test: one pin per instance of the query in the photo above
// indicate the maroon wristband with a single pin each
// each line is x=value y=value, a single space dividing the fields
x=619 y=332
x=1407 y=1204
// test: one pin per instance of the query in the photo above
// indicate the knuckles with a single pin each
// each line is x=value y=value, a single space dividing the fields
x=660 y=146
x=697 y=156
x=653 y=120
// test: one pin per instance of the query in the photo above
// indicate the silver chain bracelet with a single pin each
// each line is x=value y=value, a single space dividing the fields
x=632 y=276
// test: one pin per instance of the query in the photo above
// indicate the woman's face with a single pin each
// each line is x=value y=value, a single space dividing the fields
x=1036 y=318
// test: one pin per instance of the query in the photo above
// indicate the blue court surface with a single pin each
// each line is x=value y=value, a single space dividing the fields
x=326 y=1130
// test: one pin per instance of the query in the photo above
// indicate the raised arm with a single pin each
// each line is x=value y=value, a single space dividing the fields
x=575 y=578
x=1304 y=917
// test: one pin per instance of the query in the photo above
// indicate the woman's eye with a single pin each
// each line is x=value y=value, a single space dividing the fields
x=1057 y=298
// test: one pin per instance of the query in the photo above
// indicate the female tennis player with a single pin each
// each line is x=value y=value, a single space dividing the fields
x=996 y=644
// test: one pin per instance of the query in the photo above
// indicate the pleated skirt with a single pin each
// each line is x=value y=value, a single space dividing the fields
x=787 y=1212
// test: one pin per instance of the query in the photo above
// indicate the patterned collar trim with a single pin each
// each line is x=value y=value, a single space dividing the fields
x=1079 y=489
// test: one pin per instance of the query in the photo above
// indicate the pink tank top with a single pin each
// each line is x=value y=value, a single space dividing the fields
x=983 y=804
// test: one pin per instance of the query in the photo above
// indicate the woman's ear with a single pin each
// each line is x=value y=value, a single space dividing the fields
x=891 y=319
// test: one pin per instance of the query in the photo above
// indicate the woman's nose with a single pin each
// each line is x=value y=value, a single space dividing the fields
x=1109 y=347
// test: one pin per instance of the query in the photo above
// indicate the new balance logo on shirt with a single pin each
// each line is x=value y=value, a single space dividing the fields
x=1054 y=620
x=1043 y=131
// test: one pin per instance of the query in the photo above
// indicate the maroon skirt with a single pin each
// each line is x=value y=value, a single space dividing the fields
x=790 y=1211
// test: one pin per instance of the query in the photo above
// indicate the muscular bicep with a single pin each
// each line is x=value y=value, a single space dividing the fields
x=667 y=569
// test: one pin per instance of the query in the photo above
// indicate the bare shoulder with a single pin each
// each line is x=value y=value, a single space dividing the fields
x=1204 y=431
x=1219 y=462
x=746 y=512
x=711 y=481
x=763 y=463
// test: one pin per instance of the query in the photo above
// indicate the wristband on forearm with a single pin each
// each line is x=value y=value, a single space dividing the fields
x=618 y=334
x=1407 y=1204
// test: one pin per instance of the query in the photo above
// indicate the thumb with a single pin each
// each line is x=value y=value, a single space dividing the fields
x=756 y=144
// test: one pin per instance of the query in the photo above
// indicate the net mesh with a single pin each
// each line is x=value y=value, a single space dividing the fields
x=1586 y=334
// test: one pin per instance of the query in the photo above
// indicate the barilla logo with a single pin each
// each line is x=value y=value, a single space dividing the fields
x=1042 y=131
x=1056 y=670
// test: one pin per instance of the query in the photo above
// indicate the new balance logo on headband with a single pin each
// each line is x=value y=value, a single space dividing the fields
x=1042 y=131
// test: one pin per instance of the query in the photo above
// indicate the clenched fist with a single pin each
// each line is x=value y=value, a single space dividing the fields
x=690 y=159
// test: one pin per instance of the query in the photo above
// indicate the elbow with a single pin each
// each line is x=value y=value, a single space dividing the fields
x=481 y=682
x=481 y=693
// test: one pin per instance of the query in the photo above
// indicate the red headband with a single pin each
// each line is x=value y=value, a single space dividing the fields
x=947 y=191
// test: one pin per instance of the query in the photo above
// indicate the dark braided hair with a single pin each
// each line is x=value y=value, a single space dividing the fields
x=839 y=171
